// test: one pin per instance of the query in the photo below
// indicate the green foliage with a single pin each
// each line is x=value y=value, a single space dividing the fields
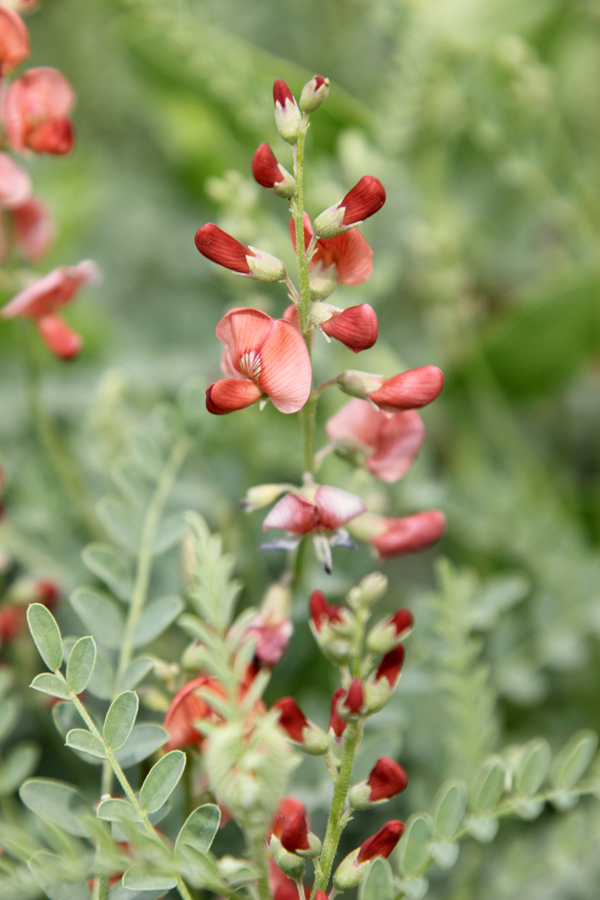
x=46 y=634
x=120 y=719
x=161 y=781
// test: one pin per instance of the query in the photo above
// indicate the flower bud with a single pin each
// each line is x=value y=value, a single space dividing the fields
x=290 y=863
x=357 y=327
x=314 y=93
x=336 y=723
x=223 y=249
x=263 y=495
x=271 y=175
x=364 y=200
x=358 y=384
x=288 y=117
x=386 y=634
x=296 y=838
x=387 y=779
x=291 y=718
x=332 y=626
x=323 y=281
x=353 y=702
x=380 y=687
x=370 y=589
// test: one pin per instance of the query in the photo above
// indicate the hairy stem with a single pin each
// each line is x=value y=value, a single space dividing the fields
x=298 y=214
x=60 y=459
x=337 y=821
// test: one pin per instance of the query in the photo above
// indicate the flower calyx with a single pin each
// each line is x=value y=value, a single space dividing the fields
x=333 y=627
x=314 y=94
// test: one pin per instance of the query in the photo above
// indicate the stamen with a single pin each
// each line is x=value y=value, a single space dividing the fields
x=250 y=364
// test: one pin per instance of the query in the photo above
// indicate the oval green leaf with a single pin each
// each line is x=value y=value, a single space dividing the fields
x=58 y=803
x=117 y=810
x=111 y=566
x=122 y=523
x=488 y=786
x=51 y=684
x=101 y=614
x=532 y=766
x=200 y=828
x=143 y=741
x=80 y=664
x=449 y=807
x=574 y=758
x=46 y=635
x=161 y=781
x=414 y=849
x=85 y=742
x=138 y=878
x=156 y=617
x=120 y=719
x=379 y=883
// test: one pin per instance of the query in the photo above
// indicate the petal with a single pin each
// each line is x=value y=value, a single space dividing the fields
x=244 y=330
x=265 y=167
x=14 y=40
x=220 y=247
x=335 y=507
x=38 y=96
x=33 y=229
x=356 y=328
x=358 y=421
x=292 y=513
x=400 y=439
x=308 y=232
x=409 y=390
x=364 y=200
x=230 y=395
x=382 y=843
x=285 y=373
x=55 y=289
x=410 y=534
x=185 y=708
x=58 y=337
x=15 y=184
x=54 y=136
x=352 y=256
x=292 y=315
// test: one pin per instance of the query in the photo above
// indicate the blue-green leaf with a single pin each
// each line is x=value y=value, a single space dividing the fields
x=200 y=828
x=85 y=742
x=143 y=741
x=51 y=684
x=155 y=618
x=120 y=719
x=46 y=635
x=57 y=802
x=110 y=565
x=161 y=781
x=101 y=614
x=80 y=665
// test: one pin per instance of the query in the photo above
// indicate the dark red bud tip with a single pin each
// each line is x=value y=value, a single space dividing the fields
x=319 y=80
x=402 y=621
x=364 y=200
x=387 y=779
x=294 y=836
x=321 y=611
x=382 y=843
x=265 y=168
x=391 y=665
x=282 y=93
x=357 y=328
x=291 y=718
x=409 y=390
x=355 y=697
x=218 y=246
x=336 y=723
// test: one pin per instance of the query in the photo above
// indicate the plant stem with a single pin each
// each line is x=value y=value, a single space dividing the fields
x=336 y=822
x=257 y=853
x=309 y=424
x=298 y=213
x=60 y=460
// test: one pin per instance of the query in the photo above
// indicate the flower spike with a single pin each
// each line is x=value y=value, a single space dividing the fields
x=364 y=200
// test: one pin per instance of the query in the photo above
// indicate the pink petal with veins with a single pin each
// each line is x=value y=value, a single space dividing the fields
x=243 y=330
x=58 y=337
x=409 y=390
x=285 y=374
x=357 y=327
x=335 y=507
x=292 y=513
x=231 y=394
x=411 y=534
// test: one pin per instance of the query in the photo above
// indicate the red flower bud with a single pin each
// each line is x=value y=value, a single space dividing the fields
x=321 y=611
x=294 y=835
x=47 y=593
x=12 y=618
x=382 y=843
x=355 y=697
x=402 y=621
x=408 y=390
x=336 y=723
x=356 y=328
x=364 y=200
x=265 y=167
x=291 y=718
x=409 y=534
x=391 y=665
x=221 y=248
x=387 y=779
x=282 y=93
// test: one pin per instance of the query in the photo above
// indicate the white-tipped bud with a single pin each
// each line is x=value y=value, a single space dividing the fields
x=288 y=117
x=314 y=93
x=323 y=282
x=370 y=589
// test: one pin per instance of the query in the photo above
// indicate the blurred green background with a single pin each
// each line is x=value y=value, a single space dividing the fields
x=481 y=119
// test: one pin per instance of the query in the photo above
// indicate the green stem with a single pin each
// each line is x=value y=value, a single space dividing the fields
x=258 y=854
x=298 y=214
x=336 y=822
x=309 y=425
x=59 y=458
x=183 y=891
x=104 y=887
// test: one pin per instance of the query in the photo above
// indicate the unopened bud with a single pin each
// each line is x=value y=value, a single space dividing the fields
x=349 y=873
x=336 y=724
x=296 y=838
x=288 y=117
x=387 y=779
x=364 y=200
x=380 y=686
x=353 y=703
x=314 y=93
x=263 y=495
x=223 y=249
x=271 y=175
x=304 y=732
x=264 y=267
x=388 y=633
x=332 y=626
x=290 y=864
x=370 y=589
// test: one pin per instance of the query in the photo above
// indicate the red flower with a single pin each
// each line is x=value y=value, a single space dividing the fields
x=348 y=252
x=41 y=299
x=14 y=40
x=382 y=843
x=391 y=666
x=364 y=200
x=392 y=441
x=408 y=390
x=186 y=707
x=291 y=718
x=332 y=508
x=270 y=174
x=36 y=112
x=410 y=534
x=387 y=779
x=33 y=230
x=262 y=356
x=355 y=698
x=223 y=249
x=321 y=611
x=336 y=723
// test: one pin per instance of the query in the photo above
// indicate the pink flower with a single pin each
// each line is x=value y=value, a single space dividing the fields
x=262 y=356
x=410 y=534
x=14 y=40
x=36 y=112
x=271 y=626
x=348 y=252
x=408 y=390
x=331 y=509
x=188 y=707
x=391 y=441
x=33 y=229
x=41 y=299
x=357 y=327
x=15 y=184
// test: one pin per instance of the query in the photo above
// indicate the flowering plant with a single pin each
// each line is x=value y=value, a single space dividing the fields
x=210 y=743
